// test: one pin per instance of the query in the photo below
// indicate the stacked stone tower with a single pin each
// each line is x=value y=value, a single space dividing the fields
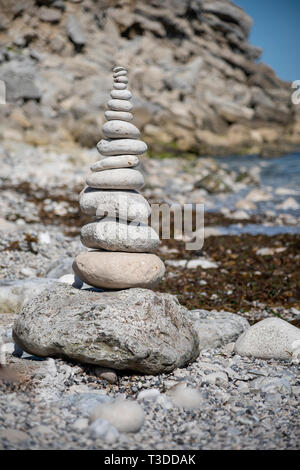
x=119 y=239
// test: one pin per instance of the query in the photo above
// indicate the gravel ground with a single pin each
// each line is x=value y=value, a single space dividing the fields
x=240 y=404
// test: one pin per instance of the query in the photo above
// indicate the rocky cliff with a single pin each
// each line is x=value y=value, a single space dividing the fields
x=194 y=74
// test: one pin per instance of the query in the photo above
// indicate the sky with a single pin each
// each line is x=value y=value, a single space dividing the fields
x=276 y=29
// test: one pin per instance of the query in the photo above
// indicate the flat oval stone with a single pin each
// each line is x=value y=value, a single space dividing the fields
x=121 y=147
x=120 y=73
x=118 y=270
x=118 y=68
x=121 y=178
x=121 y=94
x=117 y=129
x=123 y=116
x=126 y=205
x=112 y=235
x=121 y=79
x=120 y=105
x=119 y=86
x=118 y=161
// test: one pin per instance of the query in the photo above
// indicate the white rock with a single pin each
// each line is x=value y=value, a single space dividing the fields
x=121 y=94
x=123 y=116
x=121 y=79
x=104 y=430
x=272 y=385
x=150 y=394
x=286 y=191
x=120 y=178
x=271 y=338
x=6 y=348
x=28 y=272
x=127 y=205
x=117 y=129
x=118 y=161
x=80 y=424
x=125 y=415
x=120 y=105
x=120 y=73
x=257 y=195
x=184 y=396
x=119 y=86
x=289 y=203
x=202 y=262
x=118 y=68
x=192 y=264
x=121 y=147
x=245 y=205
x=71 y=280
x=270 y=251
x=44 y=238
x=178 y=263
x=6 y=226
x=216 y=328
x=109 y=234
x=239 y=215
x=216 y=378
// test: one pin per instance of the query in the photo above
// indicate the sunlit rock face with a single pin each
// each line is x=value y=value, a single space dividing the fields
x=194 y=75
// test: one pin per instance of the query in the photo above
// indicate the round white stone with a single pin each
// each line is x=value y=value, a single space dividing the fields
x=121 y=73
x=121 y=147
x=126 y=205
x=117 y=129
x=271 y=338
x=120 y=105
x=121 y=178
x=118 y=161
x=118 y=68
x=123 y=116
x=125 y=415
x=120 y=86
x=121 y=94
x=121 y=80
x=112 y=235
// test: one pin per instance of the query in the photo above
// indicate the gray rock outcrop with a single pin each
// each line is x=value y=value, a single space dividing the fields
x=196 y=79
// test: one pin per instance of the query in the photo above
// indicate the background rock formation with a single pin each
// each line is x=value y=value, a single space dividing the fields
x=194 y=75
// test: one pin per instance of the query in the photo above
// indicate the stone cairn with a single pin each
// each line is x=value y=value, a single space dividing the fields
x=119 y=238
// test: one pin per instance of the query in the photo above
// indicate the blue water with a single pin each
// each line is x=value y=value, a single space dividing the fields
x=275 y=172
x=282 y=172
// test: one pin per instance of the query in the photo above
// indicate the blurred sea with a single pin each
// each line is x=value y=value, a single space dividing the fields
x=279 y=176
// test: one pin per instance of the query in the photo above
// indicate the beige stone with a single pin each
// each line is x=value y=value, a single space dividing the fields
x=118 y=270
x=117 y=129
x=119 y=105
x=126 y=205
x=117 y=178
x=121 y=147
x=118 y=161
x=122 y=115
x=118 y=235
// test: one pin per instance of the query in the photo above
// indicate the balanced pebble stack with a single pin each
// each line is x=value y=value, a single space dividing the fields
x=119 y=239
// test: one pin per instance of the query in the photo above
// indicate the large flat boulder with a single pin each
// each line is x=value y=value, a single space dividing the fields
x=135 y=329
